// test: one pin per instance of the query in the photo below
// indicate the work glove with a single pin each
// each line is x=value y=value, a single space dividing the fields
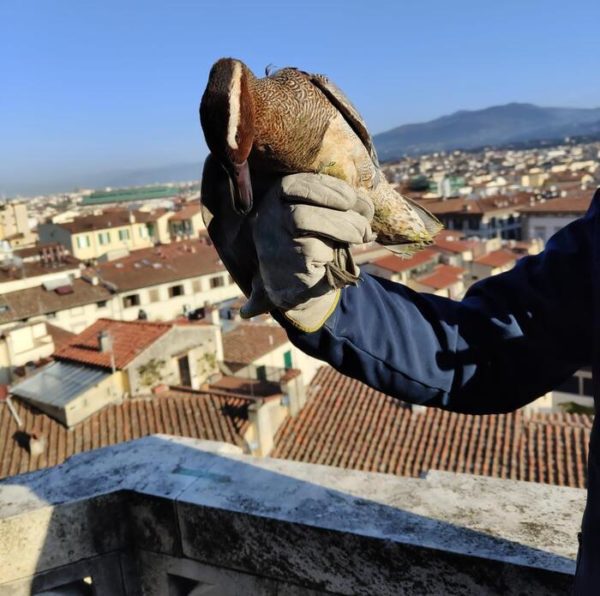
x=292 y=252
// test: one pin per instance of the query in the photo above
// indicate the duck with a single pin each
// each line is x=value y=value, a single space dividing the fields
x=291 y=121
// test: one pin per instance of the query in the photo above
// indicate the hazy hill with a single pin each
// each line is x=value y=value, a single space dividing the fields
x=498 y=125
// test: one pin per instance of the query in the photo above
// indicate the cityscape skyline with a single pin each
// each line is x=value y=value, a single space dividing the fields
x=115 y=87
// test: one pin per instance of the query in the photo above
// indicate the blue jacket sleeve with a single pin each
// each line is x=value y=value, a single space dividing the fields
x=512 y=338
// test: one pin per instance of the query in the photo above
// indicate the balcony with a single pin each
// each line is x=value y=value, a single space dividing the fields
x=172 y=516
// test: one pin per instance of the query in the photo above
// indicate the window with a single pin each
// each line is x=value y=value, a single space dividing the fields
x=51 y=315
x=143 y=232
x=124 y=234
x=230 y=280
x=176 y=291
x=83 y=241
x=101 y=304
x=154 y=295
x=104 y=238
x=196 y=286
x=131 y=300
x=217 y=282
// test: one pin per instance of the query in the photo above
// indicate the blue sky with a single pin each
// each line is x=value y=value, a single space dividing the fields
x=112 y=85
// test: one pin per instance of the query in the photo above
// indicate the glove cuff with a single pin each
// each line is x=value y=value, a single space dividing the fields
x=313 y=314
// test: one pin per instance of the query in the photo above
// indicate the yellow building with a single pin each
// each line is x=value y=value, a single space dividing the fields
x=14 y=224
x=186 y=222
x=115 y=231
x=113 y=360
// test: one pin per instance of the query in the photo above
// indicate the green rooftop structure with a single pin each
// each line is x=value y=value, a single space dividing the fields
x=125 y=195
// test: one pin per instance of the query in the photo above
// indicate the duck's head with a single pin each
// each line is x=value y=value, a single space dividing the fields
x=227 y=118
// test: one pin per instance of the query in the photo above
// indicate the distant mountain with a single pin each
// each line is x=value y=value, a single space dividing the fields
x=498 y=125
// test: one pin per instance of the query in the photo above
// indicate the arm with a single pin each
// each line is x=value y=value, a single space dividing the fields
x=512 y=338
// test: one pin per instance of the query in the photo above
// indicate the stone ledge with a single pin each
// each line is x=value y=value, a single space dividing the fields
x=323 y=528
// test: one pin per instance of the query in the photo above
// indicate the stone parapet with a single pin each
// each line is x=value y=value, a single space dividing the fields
x=164 y=515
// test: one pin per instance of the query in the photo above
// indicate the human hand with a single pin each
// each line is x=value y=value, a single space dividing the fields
x=293 y=251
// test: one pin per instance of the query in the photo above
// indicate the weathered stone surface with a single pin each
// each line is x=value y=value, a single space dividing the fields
x=51 y=536
x=153 y=523
x=144 y=465
x=500 y=519
x=288 y=524
x=105 y=571
x=160 y=574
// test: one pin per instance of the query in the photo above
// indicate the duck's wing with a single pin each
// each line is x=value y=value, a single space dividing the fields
x=339 y=99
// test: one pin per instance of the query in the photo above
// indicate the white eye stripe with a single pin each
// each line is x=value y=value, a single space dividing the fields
x=235 y=90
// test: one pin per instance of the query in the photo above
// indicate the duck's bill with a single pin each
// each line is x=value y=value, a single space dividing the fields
x=242 y=188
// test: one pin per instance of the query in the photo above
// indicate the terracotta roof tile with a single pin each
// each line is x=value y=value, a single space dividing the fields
x=129 y=338
x=187 y=211
x=397 y=264
x=30 y=269
x=480 y=206
x=60 y=337
x=249 y=341
x=22 y=304
x=110 y=218
x=201 y=416
x=347 y=424
x=162 y=264
x=576 y=205
x=497 y=258
x=442 y=277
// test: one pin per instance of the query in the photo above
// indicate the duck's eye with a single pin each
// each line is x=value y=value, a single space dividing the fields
x=237 y=138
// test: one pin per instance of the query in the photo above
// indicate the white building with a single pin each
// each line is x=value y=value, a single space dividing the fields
x=545 y=219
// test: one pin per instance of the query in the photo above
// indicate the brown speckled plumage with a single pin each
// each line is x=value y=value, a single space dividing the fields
x=304 y=123
x=291 y=119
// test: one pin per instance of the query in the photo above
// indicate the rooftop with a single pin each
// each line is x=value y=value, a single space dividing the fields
x=161 y=264
x=129 y=339
x=443 y=276
x=576 y=205
x=23 y=304
x=248 y=341
x=397 y=264
x=123 y=195
x=187 y=211
x=110 y=218
x=377 y=433
x=11 y=272
x=452 y=241
x=205 y=415
x=497 y=258
x=480 y=206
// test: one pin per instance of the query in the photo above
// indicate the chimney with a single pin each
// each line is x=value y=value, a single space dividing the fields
x=259 y=418
x=37 y=444
x=212 y=314
x=293 y=388
x=104 y=341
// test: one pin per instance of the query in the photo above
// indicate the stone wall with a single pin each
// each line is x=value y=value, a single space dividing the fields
x=169 y=515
